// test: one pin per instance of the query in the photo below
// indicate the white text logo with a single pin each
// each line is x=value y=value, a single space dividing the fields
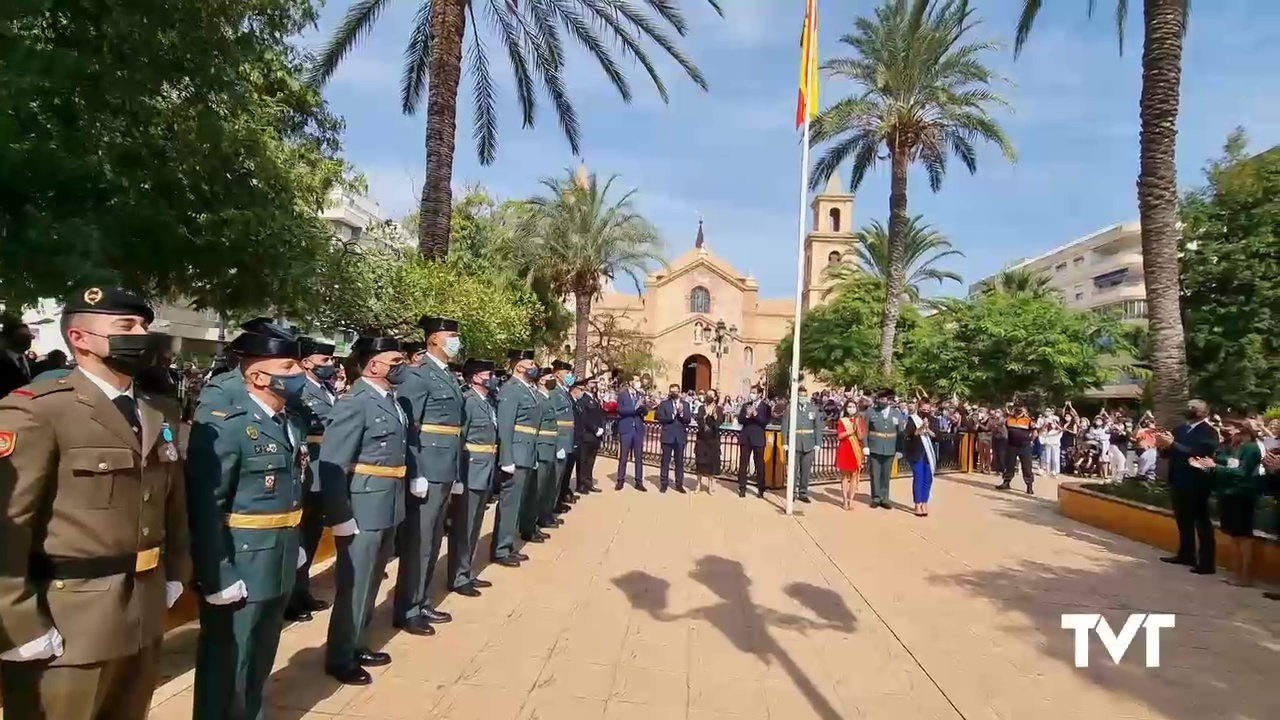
x=1116 y=644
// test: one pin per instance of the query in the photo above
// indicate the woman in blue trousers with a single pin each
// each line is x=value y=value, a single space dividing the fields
x=919 y=453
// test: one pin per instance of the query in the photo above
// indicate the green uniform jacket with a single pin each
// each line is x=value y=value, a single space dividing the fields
x=808 y=427
x=436 y=402
x=314 y=407
x=480 y=441
x=1243 y=479
x=217 y=386
x=562 y=402
x=884 y=434
x=245 y=481
x=50 y=375
x=366 y=430
x=548 y=431
x=519 y=416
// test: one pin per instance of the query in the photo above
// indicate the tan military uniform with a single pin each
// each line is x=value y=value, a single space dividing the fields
x=94 y=524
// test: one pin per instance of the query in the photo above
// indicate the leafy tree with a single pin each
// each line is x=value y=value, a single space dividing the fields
x=925 y=96
x=1231 y=241
x=619 y=347
x=166 y=146
x=576 y=235
x=1164 y=27
x=532 y=35
x=996 y=346
x=925 y=249
x=1021 y=281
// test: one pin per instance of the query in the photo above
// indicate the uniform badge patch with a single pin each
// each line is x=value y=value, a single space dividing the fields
x=269 y=483
x=8 y=441
x=93 y=296
x=252 y=432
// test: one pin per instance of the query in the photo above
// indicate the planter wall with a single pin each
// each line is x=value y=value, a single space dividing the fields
x=1155 y=526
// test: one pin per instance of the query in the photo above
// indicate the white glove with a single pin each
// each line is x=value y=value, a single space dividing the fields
x=508 y=469
x=784 y=448
x=457 y=489
x=898 y=455
x=237 y=592
x=48 y=645
x=345 y=528
x=599 y=432
x=560 y=454
x=866 y=451
x=418 y=487
x=302 y=558
x=172 y=591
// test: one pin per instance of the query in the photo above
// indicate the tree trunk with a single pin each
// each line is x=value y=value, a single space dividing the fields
x=448 y=26
x=897 y=257
x=1164 y=22
x=581 y=323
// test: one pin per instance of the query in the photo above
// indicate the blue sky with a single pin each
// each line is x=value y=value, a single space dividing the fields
x=731 y=155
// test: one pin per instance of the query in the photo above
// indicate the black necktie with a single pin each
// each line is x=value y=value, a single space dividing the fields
x=129 y=408
x=280 y=420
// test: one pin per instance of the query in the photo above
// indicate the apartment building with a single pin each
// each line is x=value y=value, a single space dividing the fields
x=1101 y=271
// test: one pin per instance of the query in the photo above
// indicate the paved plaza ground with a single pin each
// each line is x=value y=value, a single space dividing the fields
x=661 y=607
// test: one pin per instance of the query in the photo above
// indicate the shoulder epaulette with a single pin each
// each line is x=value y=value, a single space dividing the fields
x=217 y=413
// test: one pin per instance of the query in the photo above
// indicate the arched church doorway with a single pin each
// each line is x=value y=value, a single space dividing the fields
x=697 y=374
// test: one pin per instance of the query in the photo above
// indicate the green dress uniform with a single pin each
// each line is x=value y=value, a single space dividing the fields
x=546 y=492
x=362 y=472
x=566 y=440
x=883 y=442
x=436 y=417
x=519 y=416
x=479 y=462
x=314 y=407
x=808 y=438
x=216 y=390
x=246 y=476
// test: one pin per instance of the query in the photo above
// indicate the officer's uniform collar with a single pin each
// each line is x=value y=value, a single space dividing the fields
x=379 y=390
x=111 y=392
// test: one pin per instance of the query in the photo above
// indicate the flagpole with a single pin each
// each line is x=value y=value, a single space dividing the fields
x=793 y=405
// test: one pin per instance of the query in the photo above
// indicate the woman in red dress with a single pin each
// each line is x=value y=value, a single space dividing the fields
x=849 y=451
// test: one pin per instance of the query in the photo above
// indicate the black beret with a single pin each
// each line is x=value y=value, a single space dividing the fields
x=269 y=327
x=559 y=365
x=431 y=324
x=311 y=346
x=473 y=366
x=368 y=345
x=108 y=301
x=516 y=354
x=265 y=346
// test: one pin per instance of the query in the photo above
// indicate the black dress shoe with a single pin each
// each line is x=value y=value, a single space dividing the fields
x=571 y=499
x=298 y=614
x=760 y=493
x=535 y=539
x=1271 y=595
x=369 y=658
x=482 y=584
x=1176 y=560
x=562 y=509
x=641 y=487
x=349 y=675
x=1030 y=490
x=315 y=604
x=662 y=489
x=680 y=489
x=596 y=489
x=804 y=499
x=439 y=617
x=520 y=556
x=1203 y=570
x=507 y=561
x=416 y=626
x=1003 y=486
x=618 y=486
x=467 y=590
x=742 y=492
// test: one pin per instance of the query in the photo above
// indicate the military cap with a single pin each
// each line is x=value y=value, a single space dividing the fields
x=517 y=354
x=311 y=346
x=884 y=393
x=544 y=372
x=370 y=345
x=473 y=366
x=265 y=346
x=455 y=367
x=582 y=382
x=431 y=324
x=559 y=365
x=267 y=326
x=108 y=301
x=413 y=347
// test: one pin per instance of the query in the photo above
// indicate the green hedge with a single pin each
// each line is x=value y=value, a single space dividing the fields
x=1150 y=492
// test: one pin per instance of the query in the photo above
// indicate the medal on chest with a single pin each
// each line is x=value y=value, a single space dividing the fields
x=168 y=450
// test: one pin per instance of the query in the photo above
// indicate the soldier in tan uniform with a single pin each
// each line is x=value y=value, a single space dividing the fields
x=93 y=537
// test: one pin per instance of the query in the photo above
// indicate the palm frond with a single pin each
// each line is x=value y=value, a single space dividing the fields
x=355 y=26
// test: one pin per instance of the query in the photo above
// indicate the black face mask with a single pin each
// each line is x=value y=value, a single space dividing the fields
x=126 y=354
x=325 y=373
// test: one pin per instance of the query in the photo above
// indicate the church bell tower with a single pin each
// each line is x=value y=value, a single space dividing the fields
x=829 y=241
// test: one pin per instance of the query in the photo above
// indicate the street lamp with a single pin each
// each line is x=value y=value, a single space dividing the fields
x=719 y=338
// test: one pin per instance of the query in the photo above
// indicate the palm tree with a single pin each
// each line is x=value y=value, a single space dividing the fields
x=924 y=249
x=1020 y=281
x=1164 y=26
x=531 y=35
x=578 y=236
x=925 y=96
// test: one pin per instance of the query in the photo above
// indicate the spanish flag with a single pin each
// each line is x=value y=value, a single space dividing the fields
x=807 y=102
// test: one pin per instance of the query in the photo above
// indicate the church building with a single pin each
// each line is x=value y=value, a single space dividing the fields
x=682 y=303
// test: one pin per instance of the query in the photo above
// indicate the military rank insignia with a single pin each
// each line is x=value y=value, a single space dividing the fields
x=269 y=482
x=8 y=441
x=252 y=432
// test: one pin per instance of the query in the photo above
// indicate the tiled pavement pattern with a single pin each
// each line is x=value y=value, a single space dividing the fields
x=663 y=607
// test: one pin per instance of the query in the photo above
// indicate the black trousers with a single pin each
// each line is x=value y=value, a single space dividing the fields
x=570 y=463
x=999 y=447
x=1190 y=502
x=1018 y=455
x=587 y=452
x=745 y=454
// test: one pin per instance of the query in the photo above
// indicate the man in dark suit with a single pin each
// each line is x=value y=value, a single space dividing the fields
x=1189 y=488
x=631 y=412
x=753 y=416
x=674 y=415
x=15 y=369
x=590 y=429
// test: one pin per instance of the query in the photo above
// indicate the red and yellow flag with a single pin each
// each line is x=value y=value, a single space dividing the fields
x=807 y=103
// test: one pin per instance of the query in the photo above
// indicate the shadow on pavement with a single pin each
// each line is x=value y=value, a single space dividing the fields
x=744 y=622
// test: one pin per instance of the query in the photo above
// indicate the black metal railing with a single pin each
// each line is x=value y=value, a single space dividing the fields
x=954 y=453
